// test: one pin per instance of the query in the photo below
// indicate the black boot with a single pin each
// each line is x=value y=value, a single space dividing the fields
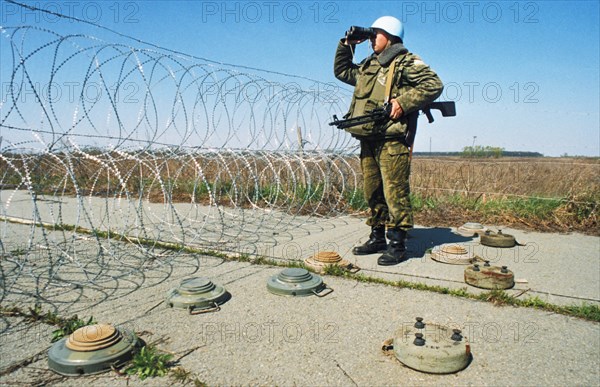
x=375 y=244
x=396 y=250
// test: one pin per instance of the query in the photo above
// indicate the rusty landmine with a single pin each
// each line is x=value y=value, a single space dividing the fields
x=471 y=229
x=489 y=277
x=92 y=350
x=93 y=338
x=429 y=347
x=453 y=254
x=319 y=261
x=498 y=239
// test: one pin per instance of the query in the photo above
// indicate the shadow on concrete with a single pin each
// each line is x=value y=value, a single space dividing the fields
x=422 y=239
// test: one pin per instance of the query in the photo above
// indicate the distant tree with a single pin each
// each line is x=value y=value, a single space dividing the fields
x=480 y=151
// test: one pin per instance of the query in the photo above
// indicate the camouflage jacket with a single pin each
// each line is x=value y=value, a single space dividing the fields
x=414 y=86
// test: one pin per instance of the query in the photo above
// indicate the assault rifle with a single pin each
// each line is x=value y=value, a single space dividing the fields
x=382 y=114
x=376 y=115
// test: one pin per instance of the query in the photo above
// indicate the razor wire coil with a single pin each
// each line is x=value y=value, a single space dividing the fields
x=114 y=155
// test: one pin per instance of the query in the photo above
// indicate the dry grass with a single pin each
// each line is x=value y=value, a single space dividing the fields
x=546 y=194
x=508 y=177
x=551 y=194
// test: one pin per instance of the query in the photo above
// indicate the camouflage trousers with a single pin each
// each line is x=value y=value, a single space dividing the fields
x=386 y=169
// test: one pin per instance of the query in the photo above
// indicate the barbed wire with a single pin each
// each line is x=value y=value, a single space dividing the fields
x=112 y=151
x=113 y=155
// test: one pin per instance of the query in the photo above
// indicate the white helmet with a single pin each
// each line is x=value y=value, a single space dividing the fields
x=391 y=25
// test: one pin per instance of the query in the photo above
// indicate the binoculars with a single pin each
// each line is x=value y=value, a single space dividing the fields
x=360 y=33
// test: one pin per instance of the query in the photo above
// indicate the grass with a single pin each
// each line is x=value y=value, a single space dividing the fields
x=530 y=208
x=356 y=200
x=557 y=214
x=69 y=326
x=584 y=311
x=66 y=325
x=18 y=252
x=183 y=376
x=149 y=362
x=544 y=194
x=497 y=297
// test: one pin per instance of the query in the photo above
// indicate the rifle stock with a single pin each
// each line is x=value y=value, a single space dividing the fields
x=447 y=108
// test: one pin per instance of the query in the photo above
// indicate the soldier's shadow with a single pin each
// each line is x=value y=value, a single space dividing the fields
x=420 y=240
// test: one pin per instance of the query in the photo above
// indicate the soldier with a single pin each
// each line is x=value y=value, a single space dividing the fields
x=384 y=154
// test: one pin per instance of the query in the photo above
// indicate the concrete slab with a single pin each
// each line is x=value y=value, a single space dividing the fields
x=261 y=338
x=561 y=269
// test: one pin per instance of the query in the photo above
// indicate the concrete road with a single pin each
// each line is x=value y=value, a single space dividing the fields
x=261 y=338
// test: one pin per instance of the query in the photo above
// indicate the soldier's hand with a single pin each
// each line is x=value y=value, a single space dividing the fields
x=350 y=42
x=351 y=38
x=396 y=111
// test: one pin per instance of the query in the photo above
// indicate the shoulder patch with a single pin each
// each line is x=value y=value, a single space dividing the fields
x=417 y=61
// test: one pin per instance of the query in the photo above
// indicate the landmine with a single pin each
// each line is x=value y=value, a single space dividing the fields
x=453 y=254
x=319 y=261
x=471 y=229
x=197 y=295
x=297 y=282
x=429 y=347
x=489 y=277
x=492 y=239
x=92 y=349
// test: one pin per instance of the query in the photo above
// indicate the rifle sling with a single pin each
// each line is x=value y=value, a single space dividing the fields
x=409 y=137
x=389 y=81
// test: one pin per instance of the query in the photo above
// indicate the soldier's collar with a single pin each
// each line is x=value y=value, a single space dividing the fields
x=387 y=55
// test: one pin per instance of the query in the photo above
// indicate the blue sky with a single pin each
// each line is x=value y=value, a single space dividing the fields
x=524 y=74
